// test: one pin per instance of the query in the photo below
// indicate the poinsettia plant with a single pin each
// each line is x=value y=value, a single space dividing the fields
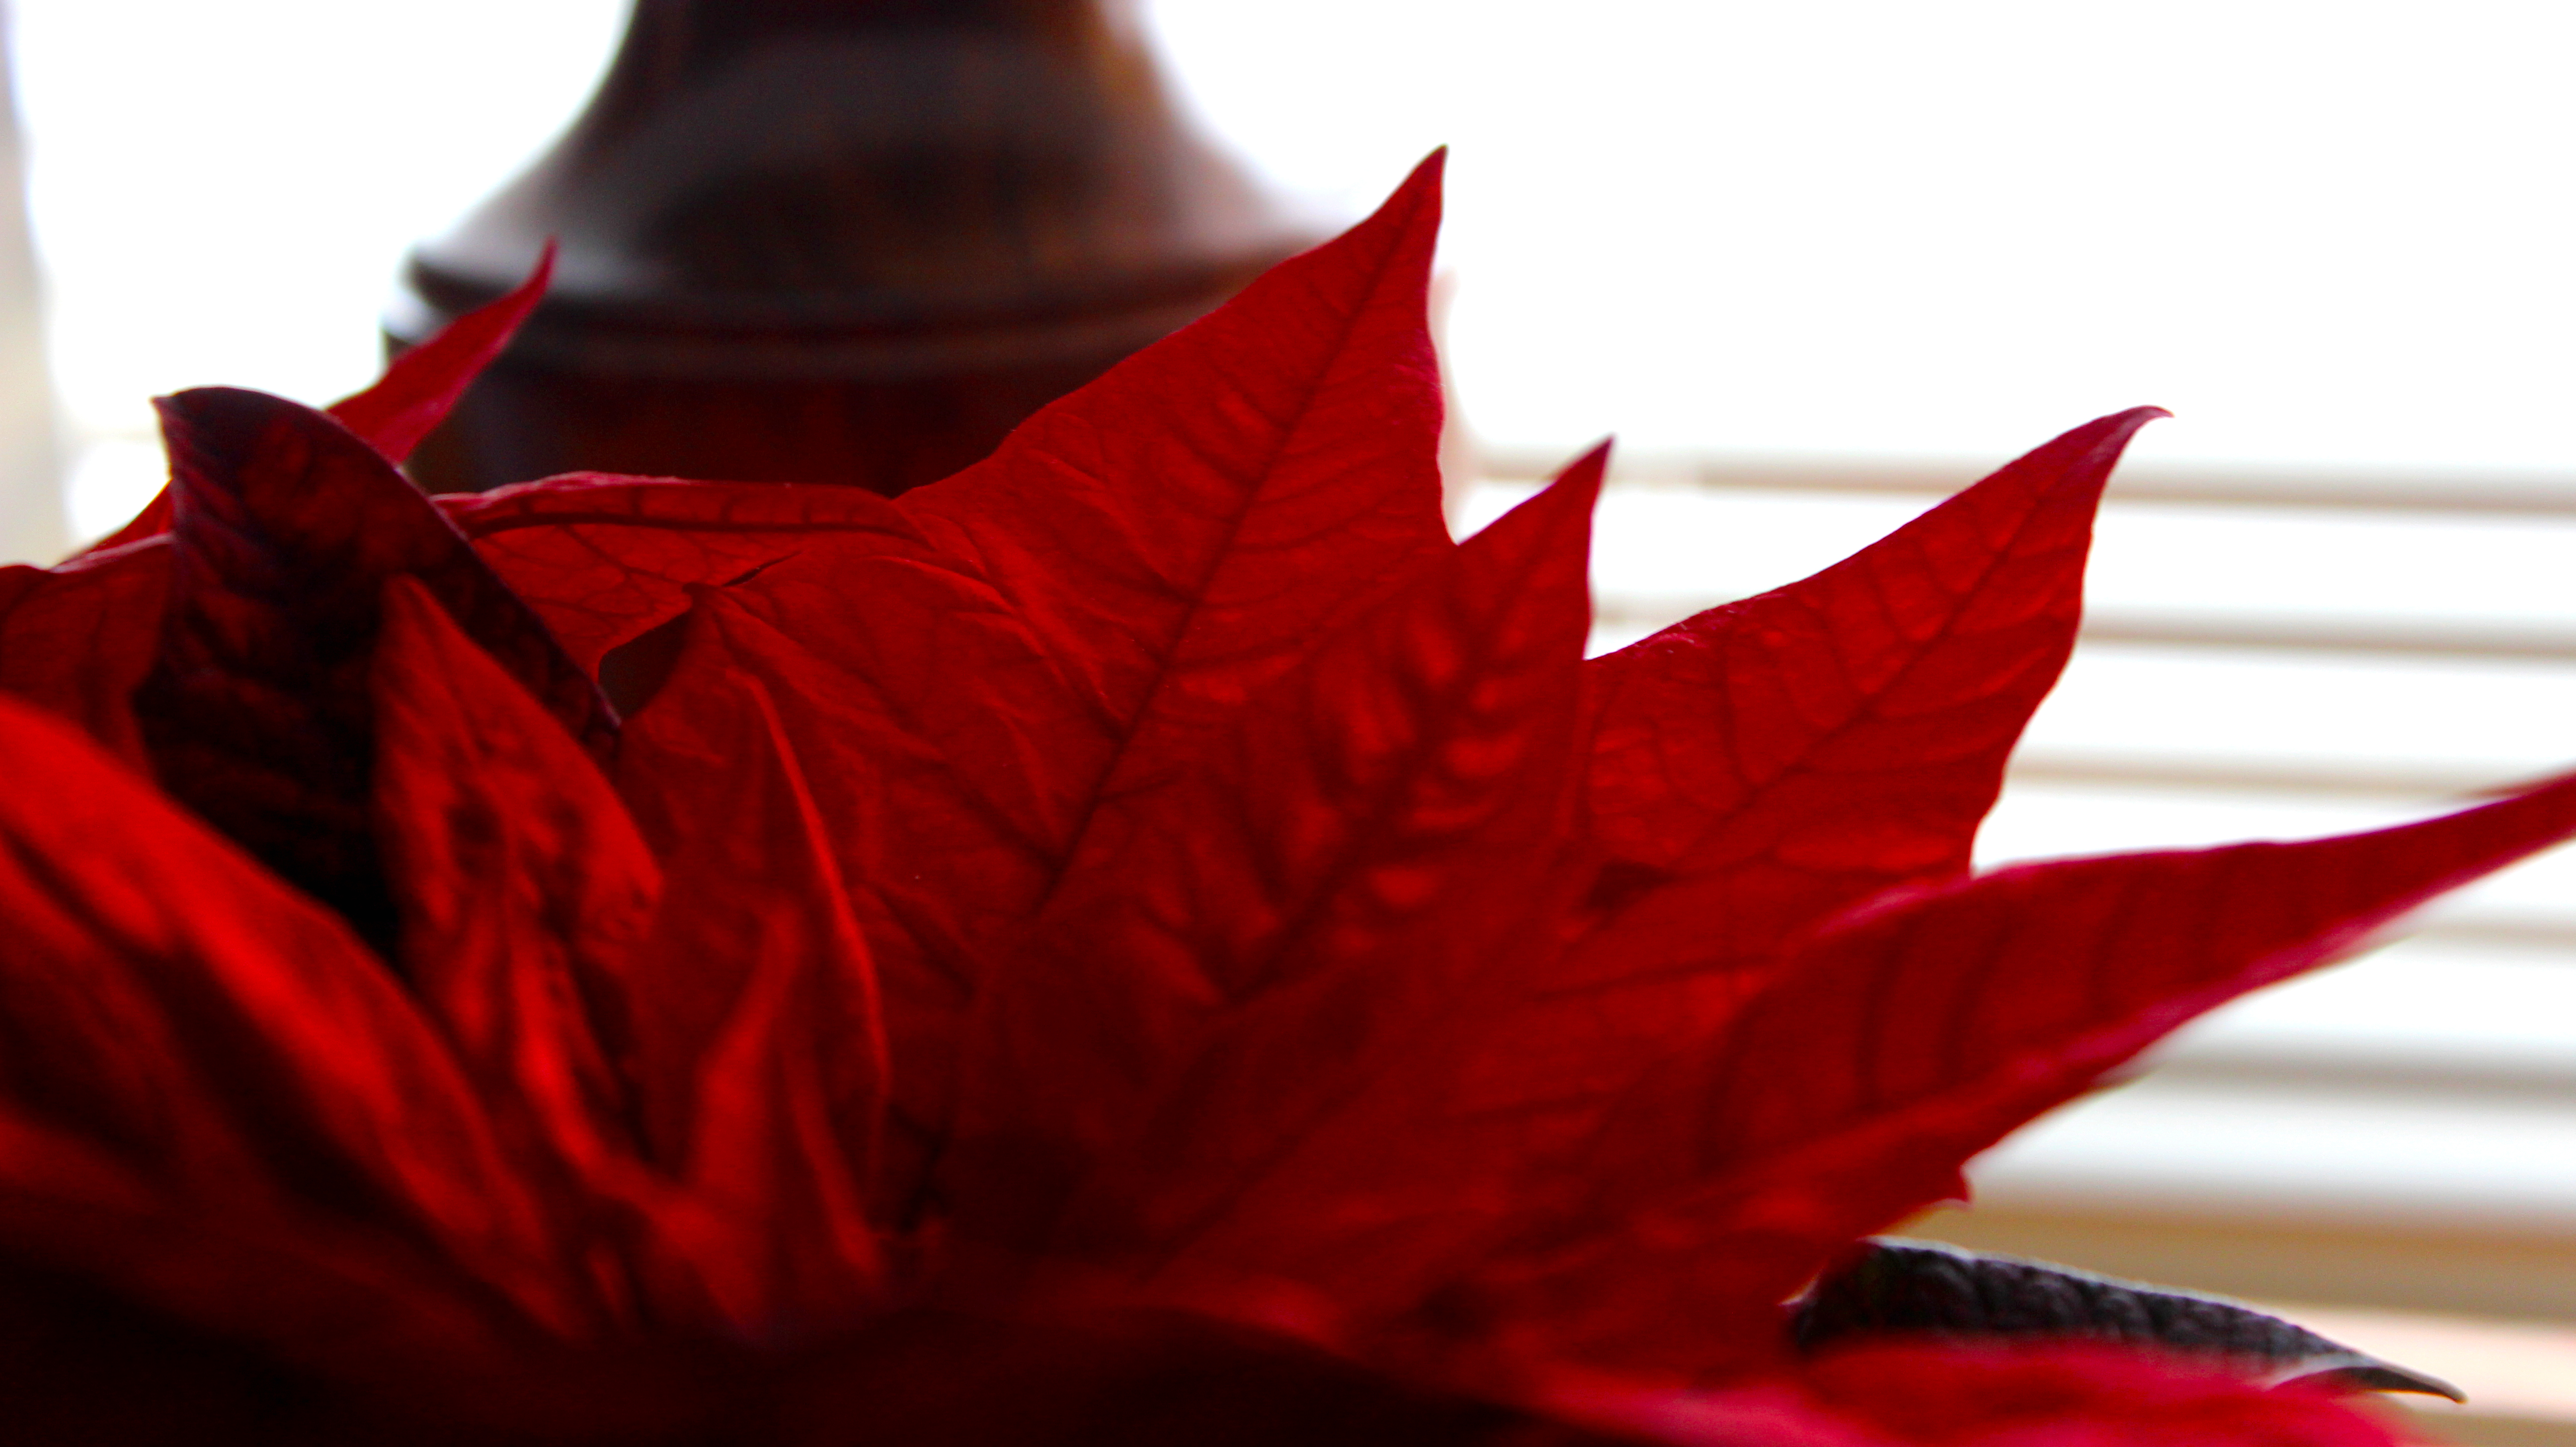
x=1146 y=940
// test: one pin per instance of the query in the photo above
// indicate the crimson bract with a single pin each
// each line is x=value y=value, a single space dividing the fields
x=1146 y=940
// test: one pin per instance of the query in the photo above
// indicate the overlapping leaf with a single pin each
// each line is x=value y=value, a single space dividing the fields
x=255 y=711
x=408 y=402
x=1153 y=867
x=77 y=639
x=172 y=1001
x=605 y=558
x=1911 y=1034
x=923 y=727
x=310 y=1290
x=1253 y=930
x=519 y=882
x=965 y=695
x=762 y=1059
x=1469 y=1116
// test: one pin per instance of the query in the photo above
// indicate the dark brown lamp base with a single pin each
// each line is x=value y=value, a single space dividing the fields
x=846 y=241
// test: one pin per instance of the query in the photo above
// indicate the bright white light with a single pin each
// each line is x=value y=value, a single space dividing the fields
x=2327 y=234
x=222 y=192
x=2321 y=232
x=110 y=482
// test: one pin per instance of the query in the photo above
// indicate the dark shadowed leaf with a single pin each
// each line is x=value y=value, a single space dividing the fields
x=278 y=1287
x=1892 y=1287
x=413 y=396
x=1130 y=1378
x=231 y=1042
x=256 y=709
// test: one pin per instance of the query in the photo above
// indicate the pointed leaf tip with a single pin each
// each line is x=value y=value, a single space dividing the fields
x=1590 y=469
x=420 y=387
x=415 y=394
x=1307 y=894
x=2117 y=429
x=1177 y=534
x=1565 y=503
x=1916 y=1031
x=1763 y=764
x=1430 y=173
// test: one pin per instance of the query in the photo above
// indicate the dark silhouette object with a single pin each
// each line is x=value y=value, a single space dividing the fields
x=846 y=241
x=1890 y=1286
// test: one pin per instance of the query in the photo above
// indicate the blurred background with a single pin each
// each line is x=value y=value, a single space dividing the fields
x=1813 y=264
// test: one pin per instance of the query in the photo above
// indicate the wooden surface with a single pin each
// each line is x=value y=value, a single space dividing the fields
x=847 y=241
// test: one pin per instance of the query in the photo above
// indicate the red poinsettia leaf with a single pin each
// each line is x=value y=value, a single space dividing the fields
x=78 y=638
x=1130 y=1378
x=165 y=994
x=1121 y=561
x=311 y=1291
x=933 y=735
x=1905 y=1038
x=604 y=558
x=1288 y=908
x=255 y=712
x=1765 y=763
x=761 y=1046
x=420 y=387
x=407 y=403
x=1182 y=529
x=772 y=1162
x=518 y=878
x=1497 y=1101
x=1700 y=801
